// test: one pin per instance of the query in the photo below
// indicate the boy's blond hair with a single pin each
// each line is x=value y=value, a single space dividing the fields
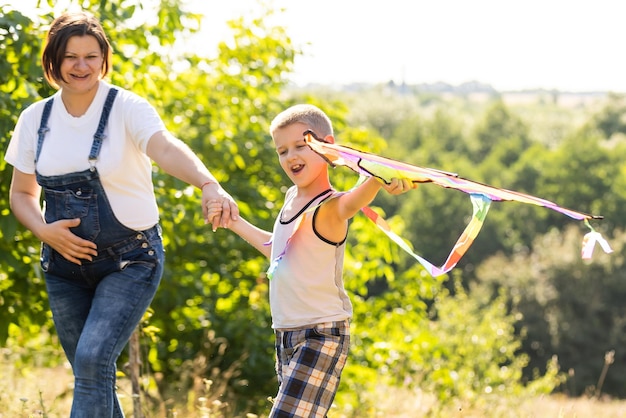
x=307 y=114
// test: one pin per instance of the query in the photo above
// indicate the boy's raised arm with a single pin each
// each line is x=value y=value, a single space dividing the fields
x=350 y=203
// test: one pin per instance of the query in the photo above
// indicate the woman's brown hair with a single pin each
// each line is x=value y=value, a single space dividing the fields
x=63 y=28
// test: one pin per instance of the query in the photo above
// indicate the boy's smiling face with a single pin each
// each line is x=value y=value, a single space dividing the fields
x=303 y=166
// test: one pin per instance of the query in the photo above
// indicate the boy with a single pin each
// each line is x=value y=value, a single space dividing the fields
x=309 y=305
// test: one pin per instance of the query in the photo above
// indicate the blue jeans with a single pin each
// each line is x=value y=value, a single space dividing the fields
x=97 y=305
x=96 y=308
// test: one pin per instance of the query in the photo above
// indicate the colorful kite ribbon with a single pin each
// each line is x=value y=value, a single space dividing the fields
x=481 y=195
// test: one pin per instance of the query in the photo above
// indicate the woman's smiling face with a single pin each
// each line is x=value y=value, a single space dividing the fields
x=81 y=68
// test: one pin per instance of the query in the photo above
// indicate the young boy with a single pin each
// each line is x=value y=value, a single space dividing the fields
x=309 y=305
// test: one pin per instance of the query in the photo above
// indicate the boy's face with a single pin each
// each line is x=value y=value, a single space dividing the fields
x=297 y=159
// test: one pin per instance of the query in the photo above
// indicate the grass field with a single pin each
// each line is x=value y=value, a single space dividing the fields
x=46 y=393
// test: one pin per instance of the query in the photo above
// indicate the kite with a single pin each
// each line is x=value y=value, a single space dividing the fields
x=481 y=196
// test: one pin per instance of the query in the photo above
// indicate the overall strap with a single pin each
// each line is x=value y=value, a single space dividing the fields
x=43 y=127
x=99 y=135
x=298 y=218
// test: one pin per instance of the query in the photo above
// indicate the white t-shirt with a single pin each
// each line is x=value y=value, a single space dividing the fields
x=124 y=168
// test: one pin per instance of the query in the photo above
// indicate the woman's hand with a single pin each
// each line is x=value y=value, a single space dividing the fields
x=72 y=247
x=24 y=196
x=229 y=210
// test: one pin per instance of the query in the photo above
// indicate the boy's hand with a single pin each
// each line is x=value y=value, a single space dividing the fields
x=214 y=209
x=230 y=211
x=399 y=186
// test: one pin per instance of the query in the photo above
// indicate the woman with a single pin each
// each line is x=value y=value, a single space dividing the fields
x=89 y=147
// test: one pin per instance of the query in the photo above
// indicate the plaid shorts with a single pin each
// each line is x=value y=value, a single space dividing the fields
x=309 y=362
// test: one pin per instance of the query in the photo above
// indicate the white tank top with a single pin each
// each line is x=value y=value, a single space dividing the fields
x=306 y=287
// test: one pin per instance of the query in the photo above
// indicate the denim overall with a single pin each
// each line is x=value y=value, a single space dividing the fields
x=96 y=305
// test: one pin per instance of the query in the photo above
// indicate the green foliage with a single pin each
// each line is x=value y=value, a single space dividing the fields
x=500 y=137
x=22 y=299
x=611 y=120
x=458 y=348
x=570 y=308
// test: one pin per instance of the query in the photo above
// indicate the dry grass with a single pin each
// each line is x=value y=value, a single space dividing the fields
x=556 y=406
x=43 y=392
x=397 y=403
x=46 y=393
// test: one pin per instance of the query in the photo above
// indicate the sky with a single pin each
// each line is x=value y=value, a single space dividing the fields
x=567 y=45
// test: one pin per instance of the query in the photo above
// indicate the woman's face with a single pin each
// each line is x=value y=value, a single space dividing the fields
x=81 y=67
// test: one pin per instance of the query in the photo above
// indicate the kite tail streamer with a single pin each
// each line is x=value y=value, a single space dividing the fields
x=590 y=240
x=481 y=206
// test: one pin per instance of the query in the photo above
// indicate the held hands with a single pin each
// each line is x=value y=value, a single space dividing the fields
x=218 y=207
x=399 y=186
x=73 y=248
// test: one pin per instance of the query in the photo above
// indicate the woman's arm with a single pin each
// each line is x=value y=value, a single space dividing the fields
x=178 y=160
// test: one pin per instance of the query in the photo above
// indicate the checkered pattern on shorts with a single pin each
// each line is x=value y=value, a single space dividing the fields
x=308 y=364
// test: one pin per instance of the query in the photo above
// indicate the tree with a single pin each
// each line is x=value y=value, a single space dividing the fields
x=611 y=119
x=22 y=299
x=570 y=308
